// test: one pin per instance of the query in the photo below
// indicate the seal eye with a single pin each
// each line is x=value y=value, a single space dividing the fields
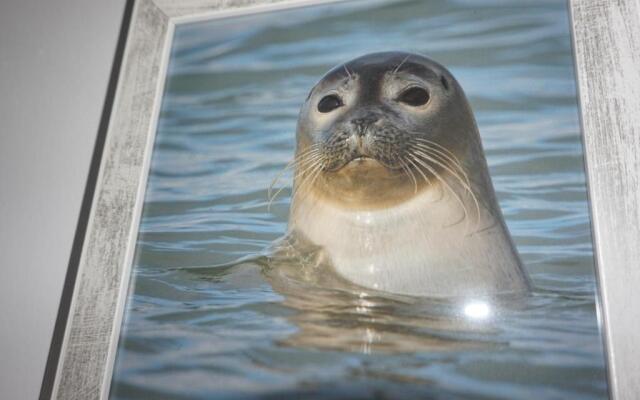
x=414 y=96
x=329 y=103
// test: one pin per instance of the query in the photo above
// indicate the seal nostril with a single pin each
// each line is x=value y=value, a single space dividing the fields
x=361 y=124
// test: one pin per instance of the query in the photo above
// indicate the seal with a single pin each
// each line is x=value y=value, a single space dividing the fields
x=391 y=182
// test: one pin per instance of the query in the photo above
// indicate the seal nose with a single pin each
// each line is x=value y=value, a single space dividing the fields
x=361 y=124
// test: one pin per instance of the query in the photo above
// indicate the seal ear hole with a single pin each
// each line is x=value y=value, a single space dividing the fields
x=329 y=103
x=444 y=82
x=414 y=96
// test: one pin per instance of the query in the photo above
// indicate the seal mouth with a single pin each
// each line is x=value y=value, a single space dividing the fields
x=361 y=158
x=362 y=162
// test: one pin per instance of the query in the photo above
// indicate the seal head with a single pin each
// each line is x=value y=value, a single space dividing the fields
x=391 y=180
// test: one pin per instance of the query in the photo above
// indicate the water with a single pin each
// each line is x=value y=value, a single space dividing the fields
x=198 y=326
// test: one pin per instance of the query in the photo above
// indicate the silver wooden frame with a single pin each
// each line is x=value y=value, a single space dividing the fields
x=606 y=37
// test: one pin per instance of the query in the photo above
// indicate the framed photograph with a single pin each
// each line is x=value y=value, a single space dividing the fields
x=361 y=199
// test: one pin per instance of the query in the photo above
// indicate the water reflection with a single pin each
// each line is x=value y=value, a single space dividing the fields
x=331 y=313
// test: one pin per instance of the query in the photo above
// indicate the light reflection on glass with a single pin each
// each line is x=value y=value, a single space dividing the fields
x=477 y=310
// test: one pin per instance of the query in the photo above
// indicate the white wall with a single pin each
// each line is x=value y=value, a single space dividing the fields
x=55 y=61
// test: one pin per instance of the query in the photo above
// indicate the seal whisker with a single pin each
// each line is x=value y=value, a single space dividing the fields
x=303 y=164
x=315 y=176
x=438 y=148
x=411 y=175
x=307 y=159
x=436 y=144
x=454 y=162
x=305 y=175
x=277 y=178
x=307 y=181
x=452 y=167
x=453 y=192
x=307 y=166
x=430 y=158
x=450 y=160
x=272 y=198
x=301 y=186
x=443 y=151
x=400 y=65
x=410 y=159
x=310 y=177
x=300 y=158
x=463 y=182
x=347 y=70
x=467 y=185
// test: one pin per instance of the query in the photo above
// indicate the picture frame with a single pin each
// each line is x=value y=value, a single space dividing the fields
x=606 y=43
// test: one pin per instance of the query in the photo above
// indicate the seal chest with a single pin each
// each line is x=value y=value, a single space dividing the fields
x=391 y=181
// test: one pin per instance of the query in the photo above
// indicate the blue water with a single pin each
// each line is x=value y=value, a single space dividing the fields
x=199 y=327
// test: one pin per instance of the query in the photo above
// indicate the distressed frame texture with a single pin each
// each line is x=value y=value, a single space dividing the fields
x=606 y=38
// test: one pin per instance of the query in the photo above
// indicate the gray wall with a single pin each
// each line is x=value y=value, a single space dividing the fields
x=55 y=61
